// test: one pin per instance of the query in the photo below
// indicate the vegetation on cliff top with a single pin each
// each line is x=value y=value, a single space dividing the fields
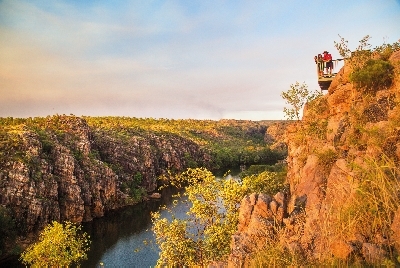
x=116 y=148
x=357 y=225
x=229 y=142
x=371 y=70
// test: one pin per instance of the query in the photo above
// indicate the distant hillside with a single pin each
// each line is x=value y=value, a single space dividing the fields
x=78 y=168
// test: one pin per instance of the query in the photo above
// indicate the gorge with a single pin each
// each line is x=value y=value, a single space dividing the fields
x=340 y=206
x=79 y=168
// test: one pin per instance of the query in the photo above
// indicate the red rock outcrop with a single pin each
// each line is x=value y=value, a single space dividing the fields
x=328 y=151
x=259 y=217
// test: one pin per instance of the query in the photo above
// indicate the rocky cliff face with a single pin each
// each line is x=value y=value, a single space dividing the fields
x=346 y=141
x=70 y=171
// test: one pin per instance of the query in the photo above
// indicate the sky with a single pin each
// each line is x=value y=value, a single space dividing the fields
x=214 y=59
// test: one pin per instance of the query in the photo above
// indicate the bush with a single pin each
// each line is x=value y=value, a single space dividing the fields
x=7 y=230
x=266 y=182
x=213 y=216
x=59 y=246
x=327 y=158
x=373 y=76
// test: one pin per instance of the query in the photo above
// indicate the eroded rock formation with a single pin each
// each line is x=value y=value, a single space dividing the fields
x=330 y=154
x=81 y=173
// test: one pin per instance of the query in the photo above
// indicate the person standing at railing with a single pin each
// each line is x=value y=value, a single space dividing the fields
x=320 y=62
x=328 y=62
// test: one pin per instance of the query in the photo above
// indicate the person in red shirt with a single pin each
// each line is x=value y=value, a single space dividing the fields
x=328 y=62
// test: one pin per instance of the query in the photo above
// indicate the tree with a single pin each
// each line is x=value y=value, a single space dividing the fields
x=59 y=246
x=345 y=52
x=357 y=58
x=7 y=229
x=206 y=234
x=297 y=96
x=370 y=68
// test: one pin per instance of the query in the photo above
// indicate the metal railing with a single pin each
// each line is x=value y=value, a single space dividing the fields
x=324 y=72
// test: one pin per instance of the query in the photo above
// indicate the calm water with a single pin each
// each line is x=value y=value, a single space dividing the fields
x=118 y=239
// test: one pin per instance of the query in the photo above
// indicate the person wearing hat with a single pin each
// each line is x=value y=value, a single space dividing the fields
x=328 y=62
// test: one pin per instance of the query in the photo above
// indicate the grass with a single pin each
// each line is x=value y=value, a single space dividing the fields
x=362 y=212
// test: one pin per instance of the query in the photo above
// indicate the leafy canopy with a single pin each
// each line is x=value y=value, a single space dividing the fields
x=212 y=218
x=297 y=96
x=59 y=246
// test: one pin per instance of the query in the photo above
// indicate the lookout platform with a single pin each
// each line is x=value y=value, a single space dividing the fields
x=325 y=79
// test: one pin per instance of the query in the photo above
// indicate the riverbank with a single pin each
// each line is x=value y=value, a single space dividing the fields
x=68 y=168
x=118 y=237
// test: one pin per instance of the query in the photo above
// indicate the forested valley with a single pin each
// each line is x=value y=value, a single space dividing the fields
x=70 y=168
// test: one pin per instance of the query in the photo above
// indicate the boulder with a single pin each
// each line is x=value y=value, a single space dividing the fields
x=155 y=196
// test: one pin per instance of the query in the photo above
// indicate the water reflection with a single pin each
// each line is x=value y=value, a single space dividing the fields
x=117 y=239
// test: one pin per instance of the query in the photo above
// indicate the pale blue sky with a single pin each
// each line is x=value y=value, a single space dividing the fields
x=173 y=59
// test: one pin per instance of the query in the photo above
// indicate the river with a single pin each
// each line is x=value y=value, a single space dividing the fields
x=118 y=237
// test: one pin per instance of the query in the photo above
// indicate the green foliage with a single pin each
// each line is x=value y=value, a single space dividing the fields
x=7 y=230
x=346 y=53
x=274 y=255
x=190 y=162
x=371 y=70
x=47 y=143
x=317 y=128
x=78 y=155
x=257 y=169
x=213 y=216
x=59 y=246
x=373 y=76
x=385 y=51
x=173 y=240
x=297 y=96
x=133 y=188
x=327 y=158
x=228 y=142
x=138 y=178
x=265 y=182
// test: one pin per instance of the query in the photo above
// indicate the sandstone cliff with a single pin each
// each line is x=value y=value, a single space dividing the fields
x=78 y=168
x=74 y=172
x=344 y=182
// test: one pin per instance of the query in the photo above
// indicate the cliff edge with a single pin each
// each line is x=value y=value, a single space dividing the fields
x=343 y=175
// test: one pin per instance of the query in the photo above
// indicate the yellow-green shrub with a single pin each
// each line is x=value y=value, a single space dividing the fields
x=59 y=246
x=373 y=76
x=213 y=216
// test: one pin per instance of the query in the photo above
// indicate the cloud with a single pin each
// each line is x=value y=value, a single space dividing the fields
x=174 y=59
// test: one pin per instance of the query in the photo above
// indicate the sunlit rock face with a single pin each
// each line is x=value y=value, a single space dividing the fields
x=78 y=173
x=326 y=151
